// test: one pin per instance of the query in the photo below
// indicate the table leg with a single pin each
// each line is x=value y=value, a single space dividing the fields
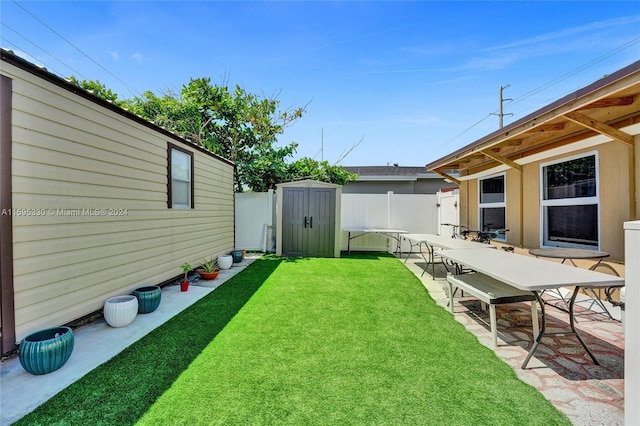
x=425 y=259
x=410 y=251
x=544 y=327
x=573 y=328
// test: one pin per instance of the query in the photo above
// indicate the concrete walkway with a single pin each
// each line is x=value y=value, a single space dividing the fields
x=94 y=344
x=560 y=369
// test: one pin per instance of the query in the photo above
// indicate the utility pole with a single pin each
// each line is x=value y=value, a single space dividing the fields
x=502 y=100
x=321 y=144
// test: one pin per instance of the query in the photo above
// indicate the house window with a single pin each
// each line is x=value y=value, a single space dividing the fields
x=570 y=203
x=492 y=204
x=180 y=178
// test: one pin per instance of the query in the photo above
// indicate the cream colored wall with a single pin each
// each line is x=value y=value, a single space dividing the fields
x=635 y=163
x=513 y=195
x=531 y=205
x=615 y=199
x=70 y=154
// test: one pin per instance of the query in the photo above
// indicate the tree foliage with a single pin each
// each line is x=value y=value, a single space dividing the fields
x=97 y=89
x=234 y=124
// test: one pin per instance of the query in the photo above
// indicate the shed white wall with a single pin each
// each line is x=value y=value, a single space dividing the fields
x=71 y=154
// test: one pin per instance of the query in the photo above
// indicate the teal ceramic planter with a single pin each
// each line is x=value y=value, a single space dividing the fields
x=237 y=256
x=46 y=350
x=148 y=298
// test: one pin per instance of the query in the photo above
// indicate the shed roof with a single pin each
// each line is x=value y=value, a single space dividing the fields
x=603 y=107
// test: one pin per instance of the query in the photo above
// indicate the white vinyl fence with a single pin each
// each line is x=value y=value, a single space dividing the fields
x=416 y=213
x=448 y=210
x=255 y=221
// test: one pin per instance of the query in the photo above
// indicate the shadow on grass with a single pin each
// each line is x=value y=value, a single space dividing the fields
x=122 y=390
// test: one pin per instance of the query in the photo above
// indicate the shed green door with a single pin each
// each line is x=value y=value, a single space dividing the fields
x=308 y=221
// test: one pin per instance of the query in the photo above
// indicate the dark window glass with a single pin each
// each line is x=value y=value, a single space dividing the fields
x=492 y=190
x=572 y=224
x=492 y=218
x=570 y=179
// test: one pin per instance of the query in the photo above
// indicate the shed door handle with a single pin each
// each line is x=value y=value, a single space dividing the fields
x=306 y=221
x=311 y=222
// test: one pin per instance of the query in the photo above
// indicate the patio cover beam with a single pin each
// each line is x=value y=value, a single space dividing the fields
x=446 y=176
x=600 y=127
x=500 y=159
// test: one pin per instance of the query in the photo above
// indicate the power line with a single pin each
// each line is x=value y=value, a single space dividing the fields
x=133 y=92
x=546 y=86
x=565 y=76
x=34 y=44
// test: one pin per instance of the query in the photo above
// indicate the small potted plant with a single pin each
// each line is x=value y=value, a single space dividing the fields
x=209 y=269
x=184 y=284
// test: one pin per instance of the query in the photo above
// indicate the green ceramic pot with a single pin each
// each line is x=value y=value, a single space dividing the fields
x=46 y=350
x=237 y=256
x=148 y=298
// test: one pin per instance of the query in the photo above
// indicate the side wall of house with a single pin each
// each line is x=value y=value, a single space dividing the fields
x=90 y=196
x=615 y=182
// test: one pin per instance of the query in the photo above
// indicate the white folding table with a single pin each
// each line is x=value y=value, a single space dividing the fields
x=389 y=233
x=535 y=275
x=433 y=241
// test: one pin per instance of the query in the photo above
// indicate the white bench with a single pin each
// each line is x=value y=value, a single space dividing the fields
x=492 y=292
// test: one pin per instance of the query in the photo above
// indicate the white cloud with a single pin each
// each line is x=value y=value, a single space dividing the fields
x=114 y=54
x=137 y=57
x=563 y=34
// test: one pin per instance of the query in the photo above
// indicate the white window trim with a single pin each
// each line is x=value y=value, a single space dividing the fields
x=188 y=180
x=570 y=201
x=493 y=205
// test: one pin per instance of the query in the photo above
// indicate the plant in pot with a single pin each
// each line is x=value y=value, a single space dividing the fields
x=209 y=269
x=184 y=284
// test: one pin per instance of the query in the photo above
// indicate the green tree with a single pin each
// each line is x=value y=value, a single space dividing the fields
x=97 y=89
x=234 y=124
x=308 y=168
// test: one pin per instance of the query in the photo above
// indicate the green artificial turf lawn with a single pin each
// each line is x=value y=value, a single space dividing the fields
x=355 y=340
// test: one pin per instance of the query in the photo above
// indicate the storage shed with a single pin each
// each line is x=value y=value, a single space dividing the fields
x=95 y=201
x=308 y=215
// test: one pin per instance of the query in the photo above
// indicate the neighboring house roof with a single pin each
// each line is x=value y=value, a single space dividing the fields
x=386 y=173
x=604 y=108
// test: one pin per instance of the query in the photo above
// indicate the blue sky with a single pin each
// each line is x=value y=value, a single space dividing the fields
x=413 y=80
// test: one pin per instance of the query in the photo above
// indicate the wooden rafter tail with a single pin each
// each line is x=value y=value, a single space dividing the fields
x=600 y=127
x=446 y=176
x=504 y=160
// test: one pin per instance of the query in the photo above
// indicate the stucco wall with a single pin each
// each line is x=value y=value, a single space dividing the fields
x=96 y=184
x=615 y=188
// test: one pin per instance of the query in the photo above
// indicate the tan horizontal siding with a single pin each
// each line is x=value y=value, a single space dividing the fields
x=71 y=154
